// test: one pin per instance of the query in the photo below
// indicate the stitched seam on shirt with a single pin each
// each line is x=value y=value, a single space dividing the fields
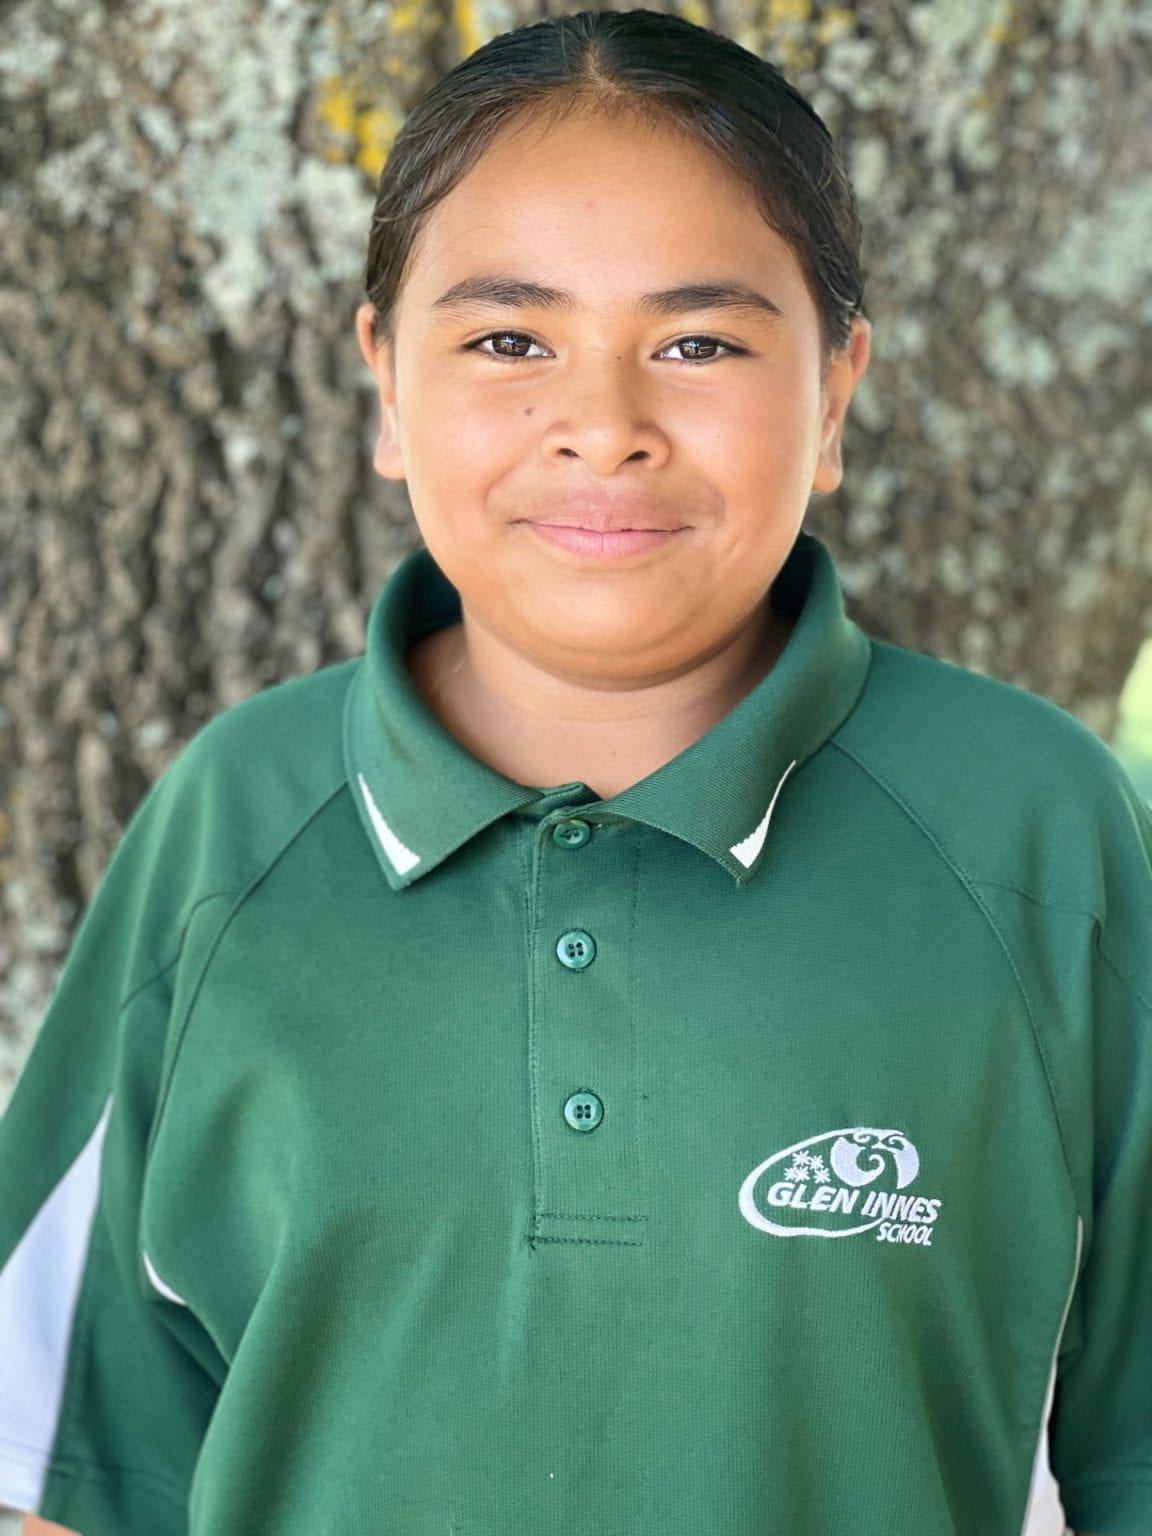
x=146 y=1482
x=598 y=1242
x=244 y=893
x=969 y=884
x=1121 y=977
x=1038 y=901
x=68 y=1465
x=164 y=969
x=530 y=853
x=589 y=1216
x=639 y=1060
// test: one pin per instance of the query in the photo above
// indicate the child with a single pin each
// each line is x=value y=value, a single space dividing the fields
x=628 y=1051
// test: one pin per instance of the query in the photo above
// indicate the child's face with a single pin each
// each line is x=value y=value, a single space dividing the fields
x=601 y=400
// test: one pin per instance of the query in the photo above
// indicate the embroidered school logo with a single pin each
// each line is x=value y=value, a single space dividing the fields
x=860 y=1172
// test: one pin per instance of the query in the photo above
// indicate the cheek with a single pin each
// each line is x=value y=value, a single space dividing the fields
x=455 y=458
x=755 y=431
x=466 y=440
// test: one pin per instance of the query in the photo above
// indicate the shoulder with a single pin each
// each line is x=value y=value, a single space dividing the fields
x=1016 y=789
x=242 y=787
x=291 y=727
x=944 y=729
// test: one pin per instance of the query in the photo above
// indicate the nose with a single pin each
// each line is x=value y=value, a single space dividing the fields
x=602 y=412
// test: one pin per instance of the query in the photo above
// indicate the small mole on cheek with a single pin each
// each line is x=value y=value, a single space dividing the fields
x=528 y=409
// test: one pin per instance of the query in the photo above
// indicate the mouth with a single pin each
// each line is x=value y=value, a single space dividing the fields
x=607 y=544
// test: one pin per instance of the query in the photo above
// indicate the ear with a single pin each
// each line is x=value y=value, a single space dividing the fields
x=845 y=369
x=387 y=459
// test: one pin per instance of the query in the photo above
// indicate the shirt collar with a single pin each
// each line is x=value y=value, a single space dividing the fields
x=421 y=794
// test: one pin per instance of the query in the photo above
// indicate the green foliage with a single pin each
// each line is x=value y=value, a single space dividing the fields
x=1133 y=740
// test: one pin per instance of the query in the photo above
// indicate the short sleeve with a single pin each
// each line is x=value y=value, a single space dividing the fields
x=1100 y=1434
x=107 y=1384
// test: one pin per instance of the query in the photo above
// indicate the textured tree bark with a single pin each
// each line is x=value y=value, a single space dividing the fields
x=188 y=511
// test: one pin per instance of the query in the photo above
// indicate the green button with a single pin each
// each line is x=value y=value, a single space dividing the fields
x=571 y=834
x=576 y=949
x=584 y=1111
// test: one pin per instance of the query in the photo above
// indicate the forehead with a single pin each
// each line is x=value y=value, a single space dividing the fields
x=602 y=207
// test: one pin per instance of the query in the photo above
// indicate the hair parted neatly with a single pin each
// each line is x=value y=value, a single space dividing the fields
x=660 y=69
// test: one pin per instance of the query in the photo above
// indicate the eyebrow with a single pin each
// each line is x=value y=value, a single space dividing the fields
x=519 y=293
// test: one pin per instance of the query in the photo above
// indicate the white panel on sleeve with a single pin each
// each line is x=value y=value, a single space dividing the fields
x=39 y=1288
x=1045 y=1513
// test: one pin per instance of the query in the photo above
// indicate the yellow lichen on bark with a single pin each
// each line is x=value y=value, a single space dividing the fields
x=696 y=12
x=782 y=12
x=835 y=24
x=364 y=134
x=467 y=27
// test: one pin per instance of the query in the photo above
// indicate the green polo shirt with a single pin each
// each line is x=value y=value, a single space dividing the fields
x=765 y=1150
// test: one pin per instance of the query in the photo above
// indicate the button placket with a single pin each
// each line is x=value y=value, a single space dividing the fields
x=581 y=1045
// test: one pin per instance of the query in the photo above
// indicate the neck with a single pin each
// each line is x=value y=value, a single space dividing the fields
x=540 y=727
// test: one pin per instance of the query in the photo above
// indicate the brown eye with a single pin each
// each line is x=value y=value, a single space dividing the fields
x=515 y=336
x=522 y=338
x=706 y=341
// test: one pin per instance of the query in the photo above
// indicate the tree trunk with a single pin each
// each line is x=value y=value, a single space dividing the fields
x=188 y=509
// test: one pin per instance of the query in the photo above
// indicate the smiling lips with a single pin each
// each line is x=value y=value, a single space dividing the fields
x=600 y=528
x=610 y=544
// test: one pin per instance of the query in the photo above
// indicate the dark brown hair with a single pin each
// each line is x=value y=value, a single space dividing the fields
x=662 y=69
